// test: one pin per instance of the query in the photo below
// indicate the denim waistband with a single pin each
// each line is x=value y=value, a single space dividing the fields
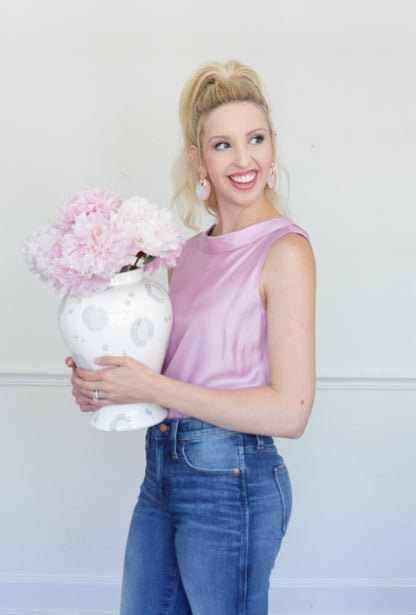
x=187 y=429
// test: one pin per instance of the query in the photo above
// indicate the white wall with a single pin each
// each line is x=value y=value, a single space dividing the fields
x=89 y=95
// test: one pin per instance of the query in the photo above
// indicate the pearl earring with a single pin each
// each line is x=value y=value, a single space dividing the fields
x=203 y=189
x=271 y=179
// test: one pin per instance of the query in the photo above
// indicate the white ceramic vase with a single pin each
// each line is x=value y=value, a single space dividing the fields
x=132 y=317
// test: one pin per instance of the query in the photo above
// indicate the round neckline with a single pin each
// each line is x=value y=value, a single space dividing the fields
x=237 y=239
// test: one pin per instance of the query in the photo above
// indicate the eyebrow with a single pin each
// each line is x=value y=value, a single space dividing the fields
x=251 y=132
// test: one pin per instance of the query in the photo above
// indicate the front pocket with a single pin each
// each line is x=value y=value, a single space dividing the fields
x=221 y=454
x=284 y=487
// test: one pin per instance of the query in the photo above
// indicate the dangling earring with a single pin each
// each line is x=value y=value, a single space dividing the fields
x=271 y=179
x=203 y=189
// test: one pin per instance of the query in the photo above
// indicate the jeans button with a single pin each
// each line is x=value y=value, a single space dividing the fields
x=163 y=427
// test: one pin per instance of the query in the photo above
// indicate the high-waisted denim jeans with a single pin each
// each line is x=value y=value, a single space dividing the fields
x=212 y=512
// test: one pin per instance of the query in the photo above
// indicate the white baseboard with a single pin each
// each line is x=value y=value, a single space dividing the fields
x=360 y=596
x=53 y=594
x=43 y=594
x=54 y=612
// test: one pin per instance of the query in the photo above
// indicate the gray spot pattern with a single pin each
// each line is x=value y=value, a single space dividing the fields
x=121 y=422
x=81 y=361
x=141 y=331
x=94 y=318
x=155 y=292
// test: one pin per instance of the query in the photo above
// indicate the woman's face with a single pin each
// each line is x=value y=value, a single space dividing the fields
x=237 y=151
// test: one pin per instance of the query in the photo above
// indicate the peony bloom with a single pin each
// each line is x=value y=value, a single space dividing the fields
x=154 y=228
x=96 y=236
x=88 y=201
x=42 y=243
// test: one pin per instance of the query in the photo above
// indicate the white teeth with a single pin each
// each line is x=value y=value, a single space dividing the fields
x=244 y=179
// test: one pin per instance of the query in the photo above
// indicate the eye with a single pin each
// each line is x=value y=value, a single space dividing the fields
x=222 y=145
x=257 y=139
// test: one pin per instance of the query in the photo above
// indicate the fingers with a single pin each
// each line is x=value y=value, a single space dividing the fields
x=82 y=396
x=85 y=393
x=88 y=375
x=89 y=380
x=109 y=361
x=87 y=407
x=86 y=404
x=105 y=381
x=106 y=361
x=84 y=382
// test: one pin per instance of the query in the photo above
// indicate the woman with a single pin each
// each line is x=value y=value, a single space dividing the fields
x=216 y=498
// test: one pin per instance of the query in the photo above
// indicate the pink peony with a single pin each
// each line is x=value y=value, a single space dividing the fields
x=96 y=236
x=167 y=262
x=88 y=201
x=154 y=228
x=95 y=246
x=42 y=243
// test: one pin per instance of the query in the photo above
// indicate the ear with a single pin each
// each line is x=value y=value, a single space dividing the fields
x=194 y=154
x=274 y=145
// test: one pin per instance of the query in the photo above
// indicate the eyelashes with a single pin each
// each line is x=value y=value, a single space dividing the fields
x=224 y=145
x=257 y=139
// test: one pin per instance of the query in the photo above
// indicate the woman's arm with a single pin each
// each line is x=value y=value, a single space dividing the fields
x=280 y=409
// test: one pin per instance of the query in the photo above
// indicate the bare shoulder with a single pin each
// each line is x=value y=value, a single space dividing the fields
x=289 y=255
x=290 y=245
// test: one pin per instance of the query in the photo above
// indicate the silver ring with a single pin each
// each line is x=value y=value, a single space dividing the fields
x=96 y=395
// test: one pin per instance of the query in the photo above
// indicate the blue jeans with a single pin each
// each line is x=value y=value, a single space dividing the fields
x=212 y=512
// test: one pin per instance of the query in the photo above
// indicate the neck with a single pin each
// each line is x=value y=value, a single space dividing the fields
x=235 y=220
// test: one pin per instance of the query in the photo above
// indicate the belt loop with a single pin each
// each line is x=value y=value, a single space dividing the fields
x=173 y=437
x=260 y=443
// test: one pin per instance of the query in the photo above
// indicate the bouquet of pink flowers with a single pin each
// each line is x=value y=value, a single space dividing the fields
x=97 y=235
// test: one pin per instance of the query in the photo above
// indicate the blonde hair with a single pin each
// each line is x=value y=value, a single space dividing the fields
x=209 y=87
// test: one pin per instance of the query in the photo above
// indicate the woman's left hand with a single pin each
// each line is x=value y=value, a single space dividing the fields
x=124 y=380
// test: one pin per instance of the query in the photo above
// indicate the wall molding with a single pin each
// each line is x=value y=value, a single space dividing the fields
x=59 y=579
x=366 y=382
x=358 y=583
x=276 y=581
x=340 y=382
x=33 y=379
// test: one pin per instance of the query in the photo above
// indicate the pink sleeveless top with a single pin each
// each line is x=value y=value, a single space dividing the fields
x=219 y=335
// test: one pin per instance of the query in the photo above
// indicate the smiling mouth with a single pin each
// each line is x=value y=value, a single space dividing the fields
x=246 y=178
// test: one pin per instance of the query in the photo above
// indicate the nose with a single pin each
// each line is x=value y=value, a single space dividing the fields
x=242 y=155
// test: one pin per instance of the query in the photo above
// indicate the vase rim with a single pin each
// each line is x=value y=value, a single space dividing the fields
x=127 y=276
